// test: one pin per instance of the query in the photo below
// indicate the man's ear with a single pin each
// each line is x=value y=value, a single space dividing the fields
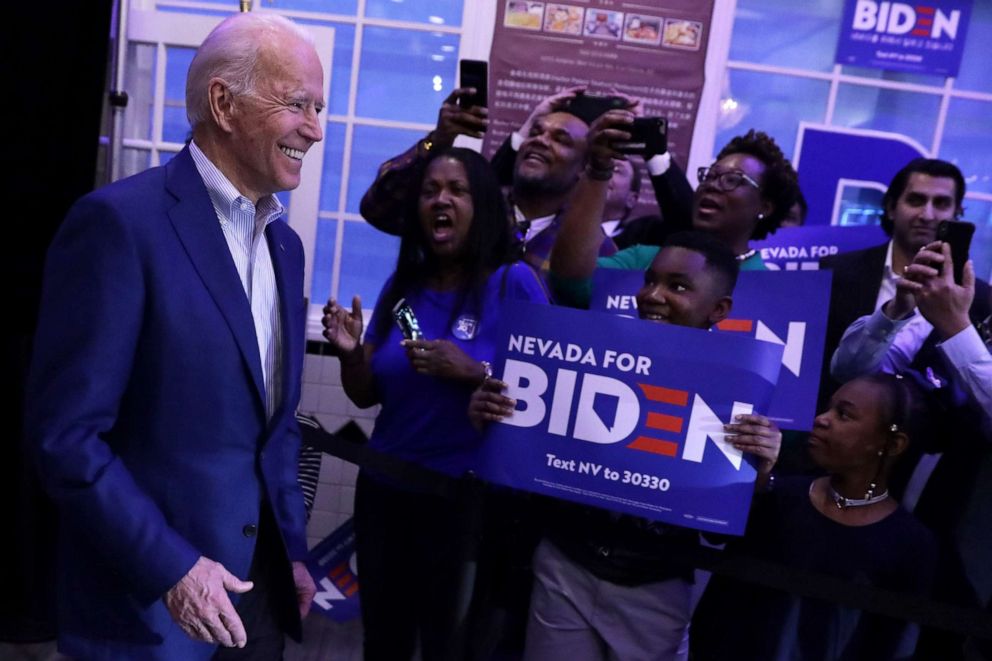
x=889 y=206
x=631 y=202
x=721 y=309
x=221 y=104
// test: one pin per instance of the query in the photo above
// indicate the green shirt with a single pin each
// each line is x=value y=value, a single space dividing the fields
x=576 y=292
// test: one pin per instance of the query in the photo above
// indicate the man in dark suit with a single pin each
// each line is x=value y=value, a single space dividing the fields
x=167 y=371
x=923 y=193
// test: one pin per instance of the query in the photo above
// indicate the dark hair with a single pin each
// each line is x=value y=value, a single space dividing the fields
x=719 y=257
x=780 y=183
x=905 y=405
x=487 y=246
x=933 y=167
x=803 y=206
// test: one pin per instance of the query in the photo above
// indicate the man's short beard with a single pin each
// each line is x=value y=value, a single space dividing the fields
x=528 y=187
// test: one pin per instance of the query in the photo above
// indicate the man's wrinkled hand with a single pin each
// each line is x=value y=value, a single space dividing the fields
x=305 y=587
x=201 y=607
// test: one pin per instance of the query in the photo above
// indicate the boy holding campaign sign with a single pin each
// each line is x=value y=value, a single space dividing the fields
x=603 y=585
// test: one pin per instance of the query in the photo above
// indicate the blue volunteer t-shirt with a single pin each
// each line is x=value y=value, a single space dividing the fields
x=425 y=418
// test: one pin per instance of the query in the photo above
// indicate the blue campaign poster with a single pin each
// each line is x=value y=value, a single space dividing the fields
x=332 y=565
x=628 y=415
x=925 y=38
x=802 y=248
x=788 y=308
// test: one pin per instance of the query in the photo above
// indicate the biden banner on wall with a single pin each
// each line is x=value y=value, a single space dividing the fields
x=628 y=415
x=919 y=37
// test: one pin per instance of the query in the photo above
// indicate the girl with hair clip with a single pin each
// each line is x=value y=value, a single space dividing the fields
x=452 y=273
x=843 y=525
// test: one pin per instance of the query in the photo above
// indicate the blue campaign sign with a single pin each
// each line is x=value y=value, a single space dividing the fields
x=898 y=36
x=628 y=415
x=802 y=248
x=788 y=308
x=332 y=565
x=829 y=173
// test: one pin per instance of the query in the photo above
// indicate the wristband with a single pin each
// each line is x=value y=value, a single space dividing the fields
x=348 y=360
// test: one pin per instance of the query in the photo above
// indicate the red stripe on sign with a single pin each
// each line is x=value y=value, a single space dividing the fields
x=655 y=446
x=665 y=395
x=921 y=33
x=352 y=589
x=924 y=21
x=924 y=10
x=742 y=325
x=671 y=423
x=337 y=571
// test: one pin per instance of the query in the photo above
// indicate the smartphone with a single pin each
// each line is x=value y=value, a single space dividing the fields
x=648 y=135
x=406 y=320
x=958 y=234
x=587 y=107
x=473 y=73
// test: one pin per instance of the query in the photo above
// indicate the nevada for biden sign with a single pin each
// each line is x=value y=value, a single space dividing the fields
x=628 y=415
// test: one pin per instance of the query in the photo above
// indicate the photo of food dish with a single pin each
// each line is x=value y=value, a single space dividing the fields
x=642 y=29
x=523 y=14
x=565 y=19
x=603 y=24
x=683 y=34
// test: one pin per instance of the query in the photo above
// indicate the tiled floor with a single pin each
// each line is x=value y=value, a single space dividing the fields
x=326 y=640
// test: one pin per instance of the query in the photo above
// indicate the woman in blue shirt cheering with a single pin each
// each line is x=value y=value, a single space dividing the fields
x=452 y=272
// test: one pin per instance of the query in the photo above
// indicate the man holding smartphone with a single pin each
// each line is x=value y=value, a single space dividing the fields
x=923 y=193
x=541 y=166
x=541 y=162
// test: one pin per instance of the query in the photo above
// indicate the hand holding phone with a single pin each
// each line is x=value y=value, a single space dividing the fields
x=588 y=107
x=648 y=137
x=407 y=321
x=475 y=74
x=957 y=234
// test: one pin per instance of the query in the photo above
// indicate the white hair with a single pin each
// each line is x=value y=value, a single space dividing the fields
x=230 y=52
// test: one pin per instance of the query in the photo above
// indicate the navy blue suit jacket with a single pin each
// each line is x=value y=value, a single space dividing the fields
x=146 y=407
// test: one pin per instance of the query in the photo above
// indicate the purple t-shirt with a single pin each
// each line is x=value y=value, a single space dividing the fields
x=425 y=418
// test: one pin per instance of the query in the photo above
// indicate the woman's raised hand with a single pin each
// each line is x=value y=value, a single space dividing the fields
x=343 y=329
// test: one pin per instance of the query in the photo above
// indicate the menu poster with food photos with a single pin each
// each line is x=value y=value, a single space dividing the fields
x=652 y=51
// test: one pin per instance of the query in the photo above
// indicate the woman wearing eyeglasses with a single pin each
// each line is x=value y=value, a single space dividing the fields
x=744 y=195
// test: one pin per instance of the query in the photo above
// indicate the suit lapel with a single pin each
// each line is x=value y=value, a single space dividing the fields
x=289 y=285
x=874 y=264
x=196 y=223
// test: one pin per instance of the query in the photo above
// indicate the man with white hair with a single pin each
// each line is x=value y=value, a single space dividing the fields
x=167 y=369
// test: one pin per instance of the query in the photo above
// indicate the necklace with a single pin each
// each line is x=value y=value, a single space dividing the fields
x=843 y=502
x=746 y=255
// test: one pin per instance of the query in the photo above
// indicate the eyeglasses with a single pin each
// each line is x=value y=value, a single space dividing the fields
x=725 y=180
